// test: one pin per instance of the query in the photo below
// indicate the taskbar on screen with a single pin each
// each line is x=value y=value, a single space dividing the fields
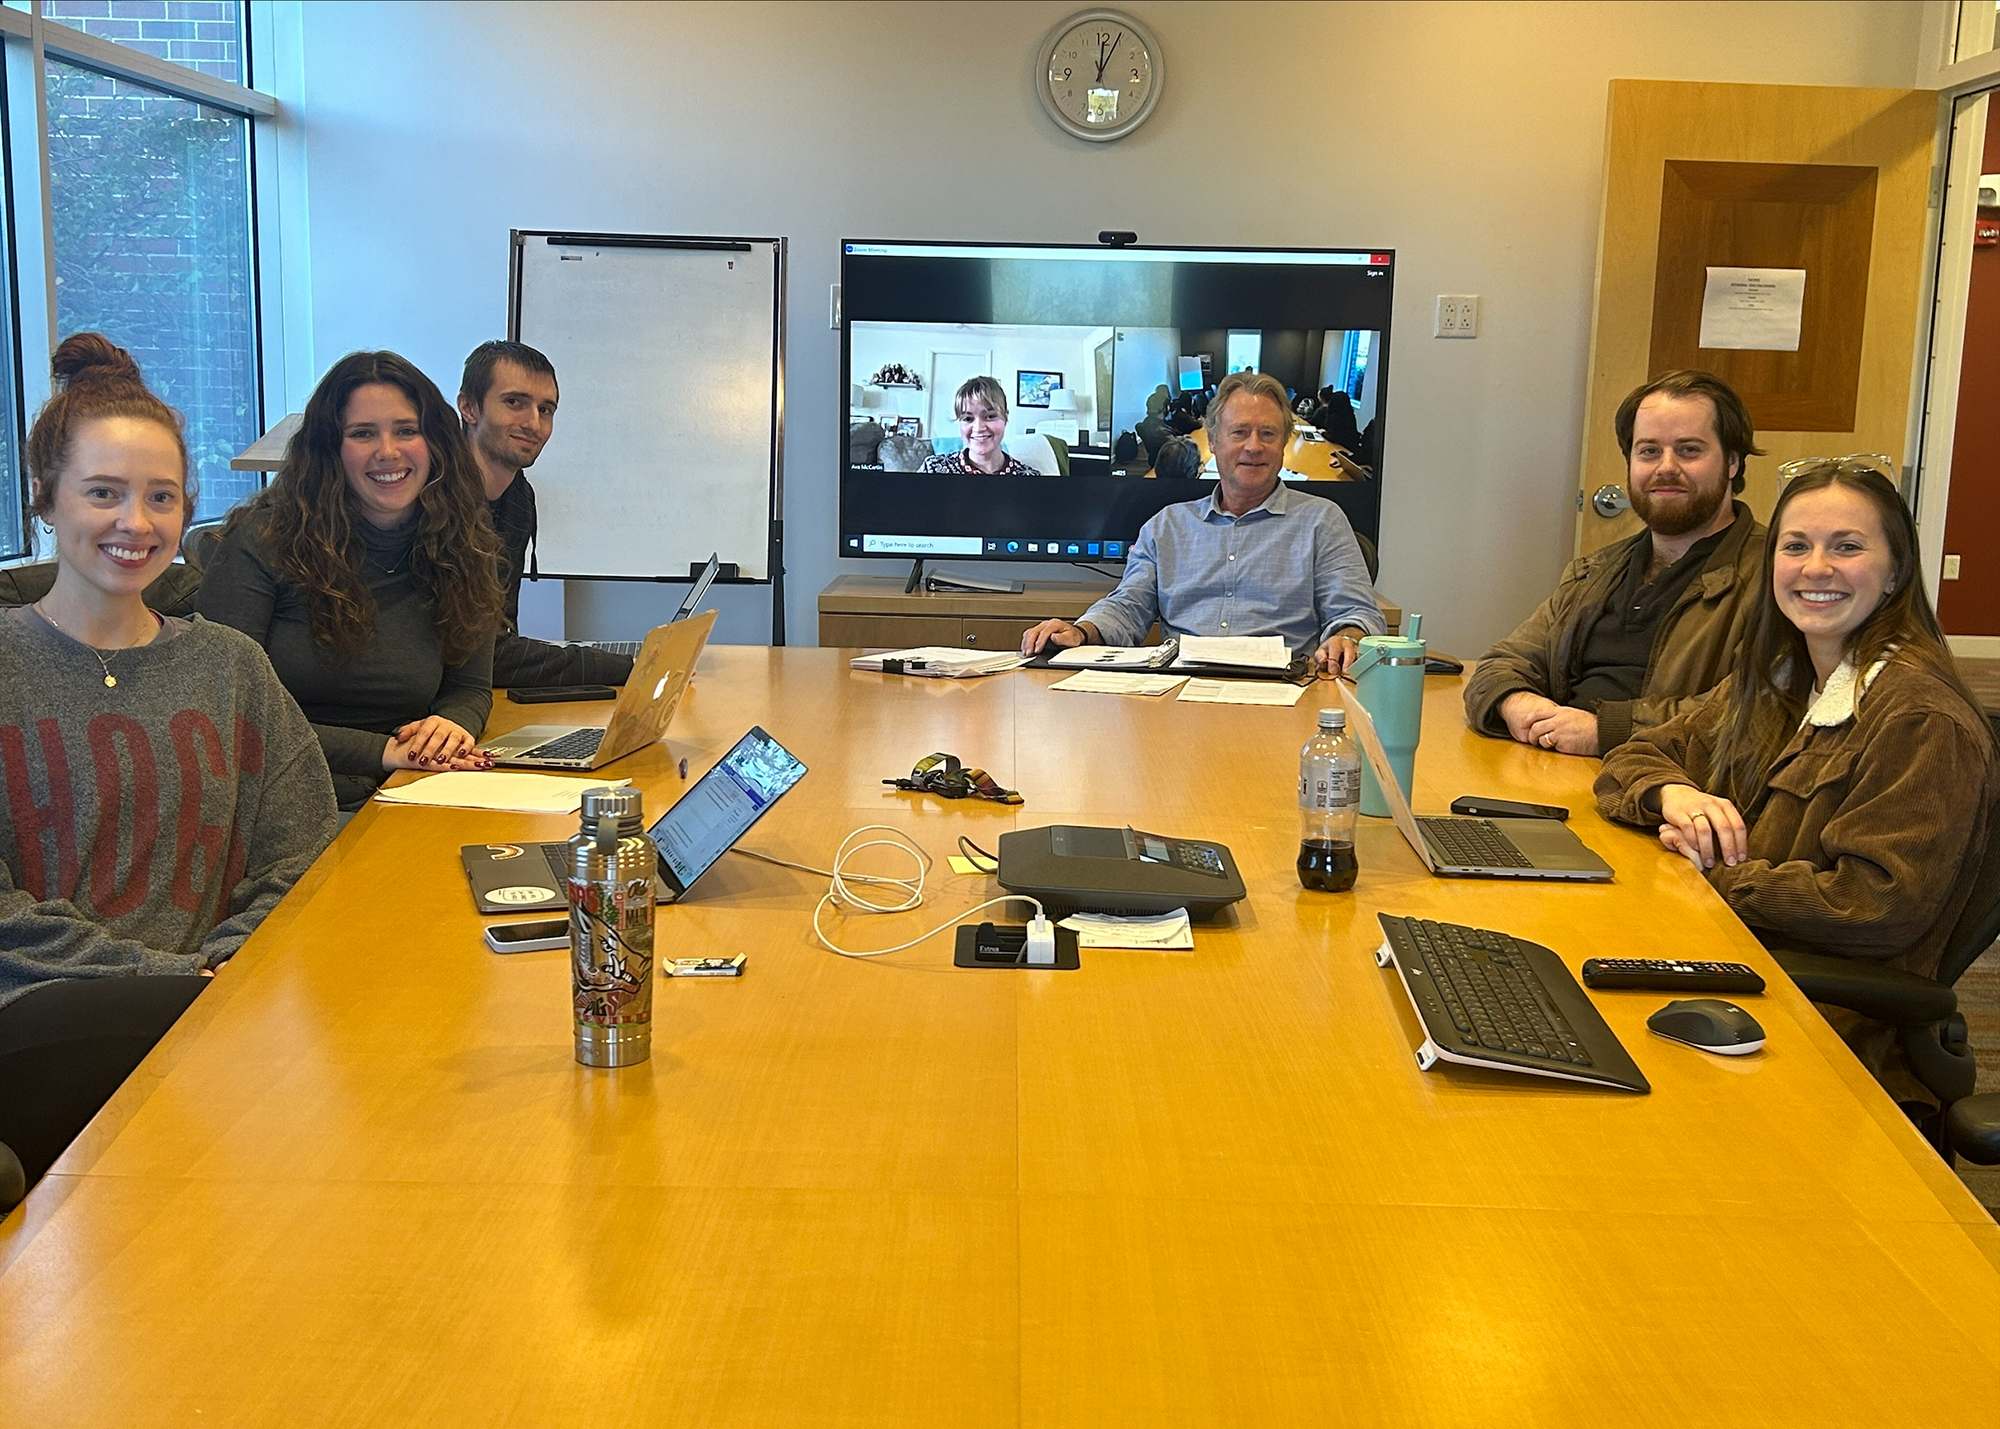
x=995 y=547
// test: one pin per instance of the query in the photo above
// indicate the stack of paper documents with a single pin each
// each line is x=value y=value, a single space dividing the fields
x=1261 y=652
x=494 y=789
x=1117 y=682
x=940 y=661
x=1117 y=657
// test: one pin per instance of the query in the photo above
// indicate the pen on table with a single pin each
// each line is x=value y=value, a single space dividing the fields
x=684 y=767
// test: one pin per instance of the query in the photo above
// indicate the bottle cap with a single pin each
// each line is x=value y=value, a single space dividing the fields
x=603 y=802
x=611 y=814
x=1333 y=719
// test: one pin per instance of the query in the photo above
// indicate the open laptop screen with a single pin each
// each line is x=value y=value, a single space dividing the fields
x=722 y=805
x=700 y=587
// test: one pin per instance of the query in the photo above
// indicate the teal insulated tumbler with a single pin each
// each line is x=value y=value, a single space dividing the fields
x=1389 y=673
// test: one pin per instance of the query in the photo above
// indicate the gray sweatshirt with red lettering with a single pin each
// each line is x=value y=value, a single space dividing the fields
x=149 y=826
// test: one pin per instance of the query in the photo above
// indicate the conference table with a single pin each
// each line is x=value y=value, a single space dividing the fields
x=365 y=1182
x=1313 y=457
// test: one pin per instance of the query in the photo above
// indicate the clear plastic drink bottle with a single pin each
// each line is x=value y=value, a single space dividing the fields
x=1329 y=797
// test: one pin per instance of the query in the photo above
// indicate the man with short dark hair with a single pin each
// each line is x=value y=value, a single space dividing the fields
x=1256 y=558
x=1639 y=630
x=507 y=399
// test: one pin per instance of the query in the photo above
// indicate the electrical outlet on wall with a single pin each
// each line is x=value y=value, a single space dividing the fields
x=1951 y=568
x=1457 y=315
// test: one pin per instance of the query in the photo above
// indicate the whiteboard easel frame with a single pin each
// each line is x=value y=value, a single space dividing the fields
x=518 y=238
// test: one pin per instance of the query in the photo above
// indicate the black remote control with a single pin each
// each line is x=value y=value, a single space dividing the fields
x=1670 y=975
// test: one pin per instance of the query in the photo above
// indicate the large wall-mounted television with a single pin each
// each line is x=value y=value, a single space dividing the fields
x=1103 y=358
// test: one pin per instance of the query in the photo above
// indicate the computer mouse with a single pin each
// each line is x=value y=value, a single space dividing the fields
x=1710 y=1024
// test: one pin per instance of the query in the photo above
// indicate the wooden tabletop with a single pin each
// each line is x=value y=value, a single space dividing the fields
x=267 y=453
x=365 y=1182
x=1314 y=460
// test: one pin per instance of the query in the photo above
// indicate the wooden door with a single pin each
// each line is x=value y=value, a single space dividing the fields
x=1703 y=159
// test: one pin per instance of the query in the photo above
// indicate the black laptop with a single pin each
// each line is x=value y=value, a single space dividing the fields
x=690 y=837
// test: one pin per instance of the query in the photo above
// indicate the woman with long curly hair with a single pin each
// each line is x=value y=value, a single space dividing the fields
x=368 y=569
x=1836 y=787
x=163 y=792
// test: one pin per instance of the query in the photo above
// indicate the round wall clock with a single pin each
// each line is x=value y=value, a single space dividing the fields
x=1099 y=74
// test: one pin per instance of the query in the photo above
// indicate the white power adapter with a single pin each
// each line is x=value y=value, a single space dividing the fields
x=1041 y=941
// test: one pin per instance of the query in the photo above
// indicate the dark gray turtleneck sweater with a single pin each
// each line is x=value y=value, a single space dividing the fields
x=354 y=703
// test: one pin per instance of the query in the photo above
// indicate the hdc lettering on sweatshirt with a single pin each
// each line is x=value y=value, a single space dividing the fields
x=124 y=778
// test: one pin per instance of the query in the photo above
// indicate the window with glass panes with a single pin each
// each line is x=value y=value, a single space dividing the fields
x=151 y=232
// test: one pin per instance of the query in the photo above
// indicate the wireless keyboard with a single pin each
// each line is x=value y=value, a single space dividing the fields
x=1487 y=999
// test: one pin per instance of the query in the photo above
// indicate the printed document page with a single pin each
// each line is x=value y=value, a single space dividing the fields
x=1267 y=652
x=497 y=789
x=1111 y=682
x=1241 y=692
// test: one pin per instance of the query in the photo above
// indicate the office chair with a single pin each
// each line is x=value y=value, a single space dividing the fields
x=199 y=541
x=1924 y=1011
x=173 y=592
x=1061 y=449
x=1368 y=555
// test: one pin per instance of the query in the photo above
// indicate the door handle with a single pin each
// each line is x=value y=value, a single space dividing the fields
x=1608 y=500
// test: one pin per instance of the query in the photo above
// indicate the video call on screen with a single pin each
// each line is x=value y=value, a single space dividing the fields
x=1104 y=359
x=723 y=804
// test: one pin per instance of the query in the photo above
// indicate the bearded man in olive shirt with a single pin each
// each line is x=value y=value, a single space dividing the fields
x=1640 y=630
x=507 y=399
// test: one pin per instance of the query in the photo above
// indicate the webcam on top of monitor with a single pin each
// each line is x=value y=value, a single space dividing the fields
x=1116 y=237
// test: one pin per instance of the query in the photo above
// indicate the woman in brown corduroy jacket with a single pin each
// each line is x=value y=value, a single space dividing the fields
x=1837 y=788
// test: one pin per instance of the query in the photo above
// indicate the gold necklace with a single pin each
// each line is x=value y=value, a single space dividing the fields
x=110 y=680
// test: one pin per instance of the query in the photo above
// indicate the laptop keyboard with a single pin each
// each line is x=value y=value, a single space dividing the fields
x=612 y=647
x=1473 y=843
x=577 y=744
x=1495 y=997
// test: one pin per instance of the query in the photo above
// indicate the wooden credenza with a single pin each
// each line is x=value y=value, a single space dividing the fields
x=873 y=612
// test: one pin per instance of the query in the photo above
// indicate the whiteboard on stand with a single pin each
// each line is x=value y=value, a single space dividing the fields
x=668 y=437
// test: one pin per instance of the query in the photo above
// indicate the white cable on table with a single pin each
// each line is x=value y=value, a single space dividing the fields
x=845 y=888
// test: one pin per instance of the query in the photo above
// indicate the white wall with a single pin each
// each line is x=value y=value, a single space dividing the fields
x=1468 y=137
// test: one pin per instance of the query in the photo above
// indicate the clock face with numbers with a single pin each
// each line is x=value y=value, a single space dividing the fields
x=1099 y=75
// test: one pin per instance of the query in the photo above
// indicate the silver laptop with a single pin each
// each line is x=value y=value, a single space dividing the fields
x=1455 y=847
x=695 y=593
x=645 y=708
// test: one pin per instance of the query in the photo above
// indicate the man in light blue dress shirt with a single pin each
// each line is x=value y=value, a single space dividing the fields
x=1256 y=558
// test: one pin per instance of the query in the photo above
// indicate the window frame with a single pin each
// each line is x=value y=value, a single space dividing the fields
x=30 y=40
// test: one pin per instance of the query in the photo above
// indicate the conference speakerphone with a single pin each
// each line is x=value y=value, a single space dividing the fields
x=1073 y=868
